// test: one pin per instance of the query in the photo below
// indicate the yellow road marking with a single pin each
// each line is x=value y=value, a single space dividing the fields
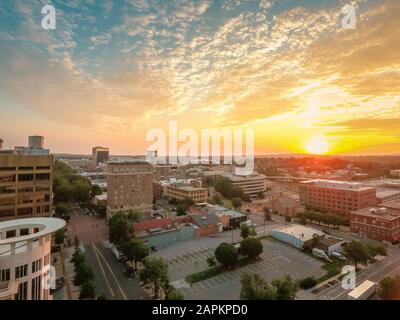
x=102 y=270
x=112 y=273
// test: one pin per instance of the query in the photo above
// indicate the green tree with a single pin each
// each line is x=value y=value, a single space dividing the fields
x=59 y=236
x=181 y=209
x=102 y=296
x=208 y=181
x=78 y=258
x=83 y=274
x=251 y=247
x=375 y=250
x=303 y=220
x=87 y=290
x=356 y=252
x=286 y=288
x=61 y=208
x=134 y=215
x=236 y=202
x=217 y=199
x=226 y=254
x=134 y=250
x=308 y=283
x=246 y=231
x=389 y=288
x=154 y=275
x=96 y=190
x=120 y=228
x=102 y=210
x=288 y=218
x=255 y=287
x=174 y=295
x=211 y=261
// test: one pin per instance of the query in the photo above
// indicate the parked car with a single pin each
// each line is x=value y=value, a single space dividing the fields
x=338 y=255
x=320 y=254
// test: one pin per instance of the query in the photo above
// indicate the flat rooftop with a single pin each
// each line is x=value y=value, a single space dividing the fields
x=299 y=231
x=384 y=213
x=386 y=192
x=238 y=178
x=335 y=184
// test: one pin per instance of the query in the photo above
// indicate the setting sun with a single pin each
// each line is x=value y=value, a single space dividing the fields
x=317 y=145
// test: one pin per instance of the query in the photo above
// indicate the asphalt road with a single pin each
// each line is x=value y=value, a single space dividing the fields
x=388 y=267
x=110 y=276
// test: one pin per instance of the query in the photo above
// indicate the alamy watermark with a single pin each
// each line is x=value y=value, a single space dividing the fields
x=349 y=21
x=186 y=146
x=49 y=20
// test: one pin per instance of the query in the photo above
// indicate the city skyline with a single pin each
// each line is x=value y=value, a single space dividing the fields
x=109 y=73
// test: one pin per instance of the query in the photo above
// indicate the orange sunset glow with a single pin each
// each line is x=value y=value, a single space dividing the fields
x=286 y=69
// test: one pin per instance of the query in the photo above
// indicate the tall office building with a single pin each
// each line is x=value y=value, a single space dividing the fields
x=251 y=184
x=36 y=142
x=100 y=154
x=25 y=245
x=25 y=186
x=129 y=186
x=336 y=196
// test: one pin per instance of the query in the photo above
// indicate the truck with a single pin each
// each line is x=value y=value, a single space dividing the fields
x=320 y=254
x=363 y=291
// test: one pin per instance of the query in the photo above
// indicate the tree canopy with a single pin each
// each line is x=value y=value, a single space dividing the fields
x=226 y=254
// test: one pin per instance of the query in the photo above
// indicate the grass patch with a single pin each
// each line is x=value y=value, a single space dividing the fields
x=332 y=269
x=215 y=271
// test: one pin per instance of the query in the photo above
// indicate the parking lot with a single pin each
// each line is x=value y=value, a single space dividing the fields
x=277 y=260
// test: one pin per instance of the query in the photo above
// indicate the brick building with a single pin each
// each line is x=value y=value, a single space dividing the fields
x=382 y=223
x=336 y=196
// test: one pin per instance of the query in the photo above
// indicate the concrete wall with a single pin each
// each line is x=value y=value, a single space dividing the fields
x=298 y=243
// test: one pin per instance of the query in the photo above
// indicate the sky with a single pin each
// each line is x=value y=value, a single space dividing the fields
x=113 y=70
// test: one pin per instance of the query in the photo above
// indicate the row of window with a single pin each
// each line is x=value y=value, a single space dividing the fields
x=22 y=271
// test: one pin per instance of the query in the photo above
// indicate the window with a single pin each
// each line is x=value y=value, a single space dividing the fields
x=36 y=265
x=24 y=232
x=11 y=234
x=36 y=287
x=25 y=177
x=22 y=293
x=21 y=271
x=4 y=275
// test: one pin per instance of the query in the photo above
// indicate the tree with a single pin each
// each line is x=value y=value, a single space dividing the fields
x=255 y=287
x=96 y=190
x=102 y=210
x=288 y=218
x=208 y=181
x=61 y=208
x=174 y=295
x=154 y=275
x=59 y=236
x=356 y=252
x=134 y=215
x=226 y=254
x=83 y=274
x=303 y=220
x=120 y=228
x=375 y=250
x=389 y=288
x=102 y=296
x=211 y=261
x=286 y=288
x=246 y=231
x=236 y=202
x=87 y=290
x=308 y=283
x=181 y=209
x=251 y=247
x=78 y=258
x=134 y=250
x=217 y=199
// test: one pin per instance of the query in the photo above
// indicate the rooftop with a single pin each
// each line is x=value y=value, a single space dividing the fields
x=382 y=212
x=206 y=219
x=45 y=225
x=335 y=184
x=225 y=211
x=238 y=178
x=386 y=192
x=329 y=241
x=299 y=231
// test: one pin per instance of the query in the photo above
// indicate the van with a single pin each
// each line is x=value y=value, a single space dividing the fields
x=320 y=254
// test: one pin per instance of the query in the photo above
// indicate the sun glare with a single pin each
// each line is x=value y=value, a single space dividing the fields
x=317 y=145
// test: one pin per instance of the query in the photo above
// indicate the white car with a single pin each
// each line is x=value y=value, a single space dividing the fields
x=338 y=256
x=320 y=254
